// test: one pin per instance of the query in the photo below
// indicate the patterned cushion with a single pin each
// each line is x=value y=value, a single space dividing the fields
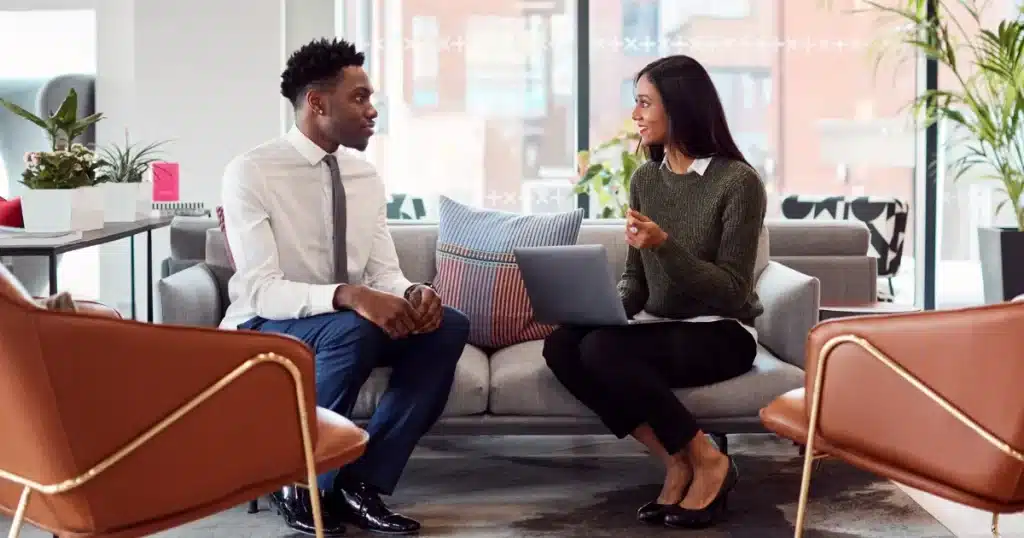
x=477 y=273
x=886 y=219
x=223 y=230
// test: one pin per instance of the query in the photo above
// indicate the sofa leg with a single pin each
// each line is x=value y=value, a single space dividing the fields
x=722 y=440
x=254 y=506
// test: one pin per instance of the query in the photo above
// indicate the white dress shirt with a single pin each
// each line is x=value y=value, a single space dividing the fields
x=278 y=216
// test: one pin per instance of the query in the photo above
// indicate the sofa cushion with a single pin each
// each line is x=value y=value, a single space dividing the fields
x=477 y=272
x=416 y=245
x=522 y=384
x=468 y=395
x=224 y=231
x=217 y=252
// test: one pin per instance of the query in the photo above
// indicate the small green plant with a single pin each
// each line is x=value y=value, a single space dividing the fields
x=605 y=172
x=61 y=169
x=63 y=126
x=127 y=164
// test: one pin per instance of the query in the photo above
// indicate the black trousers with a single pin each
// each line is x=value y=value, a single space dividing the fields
x=626 y=374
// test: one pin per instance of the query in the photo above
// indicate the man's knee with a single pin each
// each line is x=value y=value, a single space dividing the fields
x=348 y=329
x=456 y=323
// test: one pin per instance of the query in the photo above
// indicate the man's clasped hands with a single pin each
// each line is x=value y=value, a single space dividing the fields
x=419 y=312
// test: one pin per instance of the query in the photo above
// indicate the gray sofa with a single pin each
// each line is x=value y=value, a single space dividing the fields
x=510 y=391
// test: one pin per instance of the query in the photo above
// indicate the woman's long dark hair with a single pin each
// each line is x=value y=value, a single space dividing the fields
x=696 y=119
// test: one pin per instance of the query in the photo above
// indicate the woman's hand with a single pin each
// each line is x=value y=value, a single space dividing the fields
x=642 y=232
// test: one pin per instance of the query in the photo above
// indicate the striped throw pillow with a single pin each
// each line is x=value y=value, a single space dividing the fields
x=477 y=273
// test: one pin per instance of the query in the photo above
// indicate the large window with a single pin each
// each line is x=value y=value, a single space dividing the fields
x=480 y=101
x=38 y=45
x=798 y=88
x=488 y=111
x=974 y=201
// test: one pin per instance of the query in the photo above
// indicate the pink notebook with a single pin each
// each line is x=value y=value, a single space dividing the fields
x=165 y=182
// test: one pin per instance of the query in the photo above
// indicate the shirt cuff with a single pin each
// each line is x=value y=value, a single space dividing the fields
x=321 y=298
x=396 y=286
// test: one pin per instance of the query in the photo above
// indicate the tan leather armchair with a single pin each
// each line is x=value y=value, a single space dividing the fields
x=932 y=400
x=115 y=428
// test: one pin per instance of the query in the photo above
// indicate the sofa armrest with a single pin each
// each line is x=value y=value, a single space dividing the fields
x=231 y=421
x=929 y=391
x=791 y=302
x=192 y=297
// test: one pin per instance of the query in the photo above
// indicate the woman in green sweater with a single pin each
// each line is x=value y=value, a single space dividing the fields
x=697 y=209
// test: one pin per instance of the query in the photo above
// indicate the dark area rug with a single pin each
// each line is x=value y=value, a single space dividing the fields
x=530 y=487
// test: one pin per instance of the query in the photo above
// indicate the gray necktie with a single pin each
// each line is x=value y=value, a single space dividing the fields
x=338 y=199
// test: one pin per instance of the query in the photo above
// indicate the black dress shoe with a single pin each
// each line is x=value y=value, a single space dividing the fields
x=294 y=505
x=361 y=505
x=682 y=518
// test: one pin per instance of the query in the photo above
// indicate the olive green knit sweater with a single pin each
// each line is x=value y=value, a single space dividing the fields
x=706 y=267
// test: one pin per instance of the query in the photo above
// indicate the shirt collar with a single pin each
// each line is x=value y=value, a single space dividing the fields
x=306 y=147
x=698 y=165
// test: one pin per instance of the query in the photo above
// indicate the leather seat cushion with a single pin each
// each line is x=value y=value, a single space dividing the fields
x=788 y=417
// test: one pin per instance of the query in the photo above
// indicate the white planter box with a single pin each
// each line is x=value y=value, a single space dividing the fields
x=127 y=202
x=62 y=210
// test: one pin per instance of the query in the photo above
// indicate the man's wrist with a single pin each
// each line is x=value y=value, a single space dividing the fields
x=346 y=296
x=412 y=288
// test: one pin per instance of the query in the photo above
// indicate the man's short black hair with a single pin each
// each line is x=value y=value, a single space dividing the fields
x=317 y=63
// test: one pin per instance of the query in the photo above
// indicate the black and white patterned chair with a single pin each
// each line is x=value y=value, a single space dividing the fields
x=885 y=217
x=405 y=207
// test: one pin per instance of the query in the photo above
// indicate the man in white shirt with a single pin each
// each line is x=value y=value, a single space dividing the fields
x=306 y=223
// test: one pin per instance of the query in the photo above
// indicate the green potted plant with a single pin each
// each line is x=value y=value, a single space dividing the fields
x=605 y=173
x=981 y=109
x=62 y=194
x=122 y=177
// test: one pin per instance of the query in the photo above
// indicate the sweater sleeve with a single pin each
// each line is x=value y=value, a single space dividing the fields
x=633 y=283
x=727 y=282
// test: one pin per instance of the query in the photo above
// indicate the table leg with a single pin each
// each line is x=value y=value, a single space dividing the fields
x=131 y=270
x=149 y=275
x=52 y=258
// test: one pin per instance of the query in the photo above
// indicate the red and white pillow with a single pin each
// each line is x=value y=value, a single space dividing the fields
x=10 y=213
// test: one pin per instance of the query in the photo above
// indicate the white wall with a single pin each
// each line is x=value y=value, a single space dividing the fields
x=31 y=5
x=203 y=75
x=305 y=20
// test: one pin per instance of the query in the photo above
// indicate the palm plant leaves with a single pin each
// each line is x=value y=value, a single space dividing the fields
x=986 y=106
x=63 y=126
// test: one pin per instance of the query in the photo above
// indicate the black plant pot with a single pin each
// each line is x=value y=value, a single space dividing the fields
x=1002 y=263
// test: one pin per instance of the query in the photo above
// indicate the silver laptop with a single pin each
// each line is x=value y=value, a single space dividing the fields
x=572 y=285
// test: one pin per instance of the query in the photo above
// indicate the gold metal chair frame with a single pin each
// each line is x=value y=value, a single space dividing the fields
x=899 y=370
x=263 y=358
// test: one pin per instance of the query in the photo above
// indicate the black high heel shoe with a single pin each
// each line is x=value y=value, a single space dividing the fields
x=682 y=518
x=654 y=512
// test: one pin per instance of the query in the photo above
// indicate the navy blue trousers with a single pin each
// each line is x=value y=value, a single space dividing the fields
x=348 y=348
